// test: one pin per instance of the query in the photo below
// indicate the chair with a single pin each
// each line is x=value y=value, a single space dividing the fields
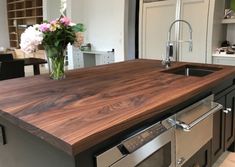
x=6 y=57
x=11 y=69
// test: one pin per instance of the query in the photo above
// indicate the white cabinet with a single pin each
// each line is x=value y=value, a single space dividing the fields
x=104 y=58
x=81 y=59
x=155 y=22
x=224 y=59
x=196 y=12
x=156 y=19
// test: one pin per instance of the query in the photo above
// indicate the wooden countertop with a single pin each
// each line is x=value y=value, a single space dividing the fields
x=93 y=104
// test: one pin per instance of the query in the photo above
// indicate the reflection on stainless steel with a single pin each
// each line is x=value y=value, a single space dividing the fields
x=152 y=147
x=188 y=127
x=194 y=122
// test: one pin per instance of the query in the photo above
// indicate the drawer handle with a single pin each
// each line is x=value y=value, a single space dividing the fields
x=188 y=127
x=227 y=111
x=180 y=161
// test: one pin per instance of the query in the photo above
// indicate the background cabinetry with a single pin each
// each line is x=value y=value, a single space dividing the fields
x=199 y=22
x=157 y=17
x=156 y=20
x=223 y=30
x=21 y=14
x=81 y=59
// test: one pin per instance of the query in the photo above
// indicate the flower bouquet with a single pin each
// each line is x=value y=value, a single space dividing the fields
x=54 y=36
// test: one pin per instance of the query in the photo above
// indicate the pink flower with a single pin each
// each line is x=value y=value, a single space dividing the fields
x=65 y=20
x=45 y=27
x=53 y=22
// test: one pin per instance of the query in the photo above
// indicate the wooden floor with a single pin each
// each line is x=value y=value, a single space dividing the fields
x=226 y=160
x=229 y=161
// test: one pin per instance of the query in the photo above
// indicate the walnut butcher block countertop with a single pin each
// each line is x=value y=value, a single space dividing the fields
x=93 y=104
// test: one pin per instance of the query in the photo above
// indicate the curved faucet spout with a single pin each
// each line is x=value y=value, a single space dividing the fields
x=184 y=21
x=170 y=43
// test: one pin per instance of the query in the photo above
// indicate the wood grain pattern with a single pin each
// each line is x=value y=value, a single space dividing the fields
x=93 y=104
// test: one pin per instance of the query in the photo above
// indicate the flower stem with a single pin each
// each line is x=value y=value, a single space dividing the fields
x=56 y=62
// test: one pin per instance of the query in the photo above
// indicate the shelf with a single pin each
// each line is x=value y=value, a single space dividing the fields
x=29 y=17
x=224 y=55
x=22 y=14
x=228 y=21
x=24 y=26
x=14 y=2
x=31 y=8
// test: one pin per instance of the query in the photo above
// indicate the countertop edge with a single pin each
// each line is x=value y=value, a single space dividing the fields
x=49 y=138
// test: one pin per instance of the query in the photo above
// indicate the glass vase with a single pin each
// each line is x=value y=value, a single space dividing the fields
x=56 y=58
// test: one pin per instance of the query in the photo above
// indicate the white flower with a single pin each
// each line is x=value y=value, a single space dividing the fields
x=72 y=24
x=79 y=39
x=31 y=38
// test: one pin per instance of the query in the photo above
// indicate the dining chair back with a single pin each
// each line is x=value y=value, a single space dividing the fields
x=11 y=69
x=6 y=57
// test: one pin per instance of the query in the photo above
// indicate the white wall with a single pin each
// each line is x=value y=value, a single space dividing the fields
x=4 y=38
x=104 y=21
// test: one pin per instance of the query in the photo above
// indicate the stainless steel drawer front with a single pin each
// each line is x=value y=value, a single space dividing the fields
x=139 y=149
x=135 y=142
x=135 y=158
x=194 y=128
x=187 y=127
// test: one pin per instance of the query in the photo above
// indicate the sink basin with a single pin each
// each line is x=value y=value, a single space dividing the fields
x=192 y=70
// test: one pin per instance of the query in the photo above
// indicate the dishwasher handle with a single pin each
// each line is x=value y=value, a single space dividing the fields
x=188 y=127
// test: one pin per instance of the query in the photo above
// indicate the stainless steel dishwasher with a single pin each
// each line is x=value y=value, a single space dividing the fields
x=194 y=128
x=151 y=147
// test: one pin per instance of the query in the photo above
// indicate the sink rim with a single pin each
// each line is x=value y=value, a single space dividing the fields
x=177 y=70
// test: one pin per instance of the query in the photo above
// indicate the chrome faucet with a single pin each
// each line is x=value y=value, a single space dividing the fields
x=170 y=43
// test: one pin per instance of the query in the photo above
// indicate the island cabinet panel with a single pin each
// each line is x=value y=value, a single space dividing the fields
x=202 y=158
x=25 y=150
x=224 y=123
x=218 y=132
x=229 y=134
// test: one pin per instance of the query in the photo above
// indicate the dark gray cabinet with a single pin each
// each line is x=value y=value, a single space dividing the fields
x=202 y=158
x=223 y=124
x=229 y=116
x=218 y=132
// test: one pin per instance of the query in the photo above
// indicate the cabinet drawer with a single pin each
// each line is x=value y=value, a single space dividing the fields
x=201 y=158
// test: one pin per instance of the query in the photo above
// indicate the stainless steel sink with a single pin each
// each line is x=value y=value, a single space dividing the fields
x=192 y=70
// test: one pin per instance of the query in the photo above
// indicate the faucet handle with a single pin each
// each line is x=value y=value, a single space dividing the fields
x=190 y=46
x=170 y=49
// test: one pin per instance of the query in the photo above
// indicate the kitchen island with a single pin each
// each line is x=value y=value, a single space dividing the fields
x=58 y=123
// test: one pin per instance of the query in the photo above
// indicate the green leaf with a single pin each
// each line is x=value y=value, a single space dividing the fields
x=79 y=27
